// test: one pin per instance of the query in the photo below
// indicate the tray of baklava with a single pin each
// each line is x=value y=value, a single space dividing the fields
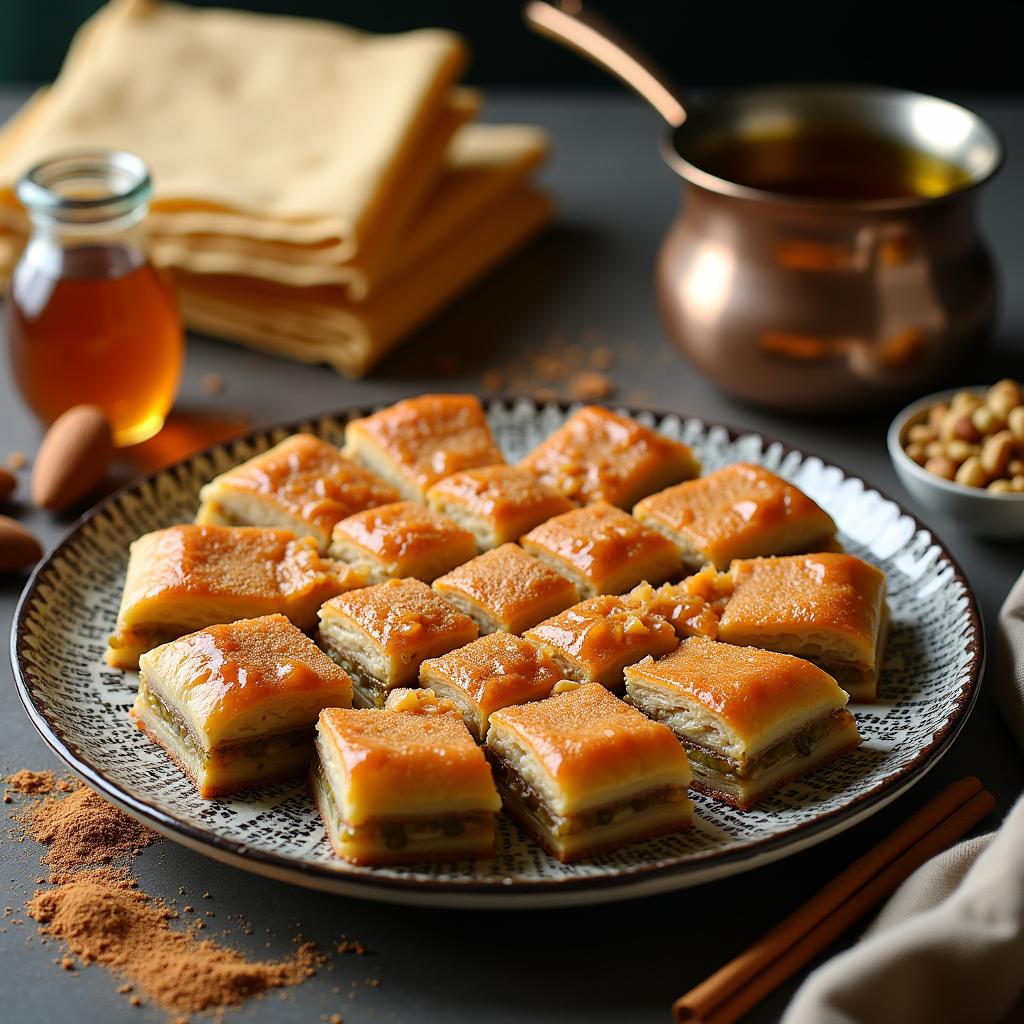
x=501 y=653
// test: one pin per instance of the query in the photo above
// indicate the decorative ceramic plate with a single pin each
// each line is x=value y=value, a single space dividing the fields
x=80 y=706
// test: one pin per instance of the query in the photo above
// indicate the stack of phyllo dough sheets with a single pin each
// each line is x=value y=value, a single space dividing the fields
x=319 y=192
x=441 y=634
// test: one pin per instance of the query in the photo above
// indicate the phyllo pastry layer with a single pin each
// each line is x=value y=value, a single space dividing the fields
x=750 y=720
x=234 y=705
x=394 y=786
x=603 y=550
x=302 y=484
x=828 y=608
x=491 y=673
x=593 y=641
x=401 y=539
x=507 y=589
x=380 y=634
x=597 y=455
x=186 y=577
x=498 y=503
x=415 y=443
x=739 y=511
x=584 y=772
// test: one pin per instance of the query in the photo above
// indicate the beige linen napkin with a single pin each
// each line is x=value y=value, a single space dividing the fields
x=280 y=127
x=321 y=325
x=483 y=163
x=949 y=944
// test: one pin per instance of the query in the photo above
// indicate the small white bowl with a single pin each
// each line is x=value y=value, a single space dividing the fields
x=981 y=511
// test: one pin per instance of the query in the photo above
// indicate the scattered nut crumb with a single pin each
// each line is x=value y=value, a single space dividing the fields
x=67 y=964
x=492 y=380
x=135 y=1001
x=589 y=385
x=124 y=989
x=373 y=982
x=17 y=460
x=212 y=383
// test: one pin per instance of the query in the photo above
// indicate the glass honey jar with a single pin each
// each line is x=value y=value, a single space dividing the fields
x=89 y=318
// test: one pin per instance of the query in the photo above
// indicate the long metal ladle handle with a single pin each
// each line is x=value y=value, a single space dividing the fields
x=592 y=37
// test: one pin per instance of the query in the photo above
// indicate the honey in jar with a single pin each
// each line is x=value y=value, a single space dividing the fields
x=89 y=318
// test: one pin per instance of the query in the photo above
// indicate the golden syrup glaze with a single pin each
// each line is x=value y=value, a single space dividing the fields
x=601 y=631
x=307 y=478
x=693 y=606
x=403 y=532
x=386 y=757
x=587 y=740
x=401 y=616
x=509 y=585
x=223 y=672
x=508 y=498
x=597 y=455
x=751 y=690
x=429 y=437
x=418 y=701
x=269 y=570
x=495 y=671
x=597 y=540
x=824 y=593
x=731 y=511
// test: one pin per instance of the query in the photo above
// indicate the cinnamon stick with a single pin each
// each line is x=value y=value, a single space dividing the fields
x=737 y=986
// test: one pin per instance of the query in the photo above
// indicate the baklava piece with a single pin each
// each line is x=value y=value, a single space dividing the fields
x=507 y=589
x=402 y=539
x=693 y=606
x=584 y=772
x=597 y=455
x=186 y=577
x=415 y=443
x=750 y=720
x=399 y=786
x=498 y=503
x=234 y=705
x=827 y=608
x=740 y=511
x=302 y=484
x=380 y=634
x=593 y=641
x=603 y=550
x=494 y=672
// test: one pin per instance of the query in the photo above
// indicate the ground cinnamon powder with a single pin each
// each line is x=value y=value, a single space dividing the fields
x=82 y=828
x=103 y=917
x=96 y=908
x=37 y=783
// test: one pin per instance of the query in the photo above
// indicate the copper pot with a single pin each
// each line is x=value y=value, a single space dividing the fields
x=813 y=301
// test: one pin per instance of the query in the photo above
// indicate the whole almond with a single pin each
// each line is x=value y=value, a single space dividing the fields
x=73 y=457
x=18 y=548
x=8 y=482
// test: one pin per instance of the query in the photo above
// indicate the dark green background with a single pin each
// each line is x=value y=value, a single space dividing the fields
x=925 y=45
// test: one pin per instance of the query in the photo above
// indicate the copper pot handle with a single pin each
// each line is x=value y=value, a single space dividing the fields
x=592 y=37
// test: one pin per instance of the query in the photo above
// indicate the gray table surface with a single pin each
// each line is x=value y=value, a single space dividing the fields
x=624 y=962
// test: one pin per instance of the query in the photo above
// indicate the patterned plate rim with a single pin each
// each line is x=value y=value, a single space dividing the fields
x=317 y=875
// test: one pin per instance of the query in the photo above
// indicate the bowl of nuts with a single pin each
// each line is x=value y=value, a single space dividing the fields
x=961 y=452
